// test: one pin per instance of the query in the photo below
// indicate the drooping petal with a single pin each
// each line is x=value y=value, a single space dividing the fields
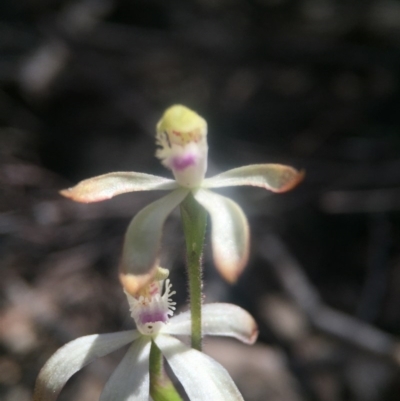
x=109 y=185
x=131 y=380
x=275 y=177
x=73 y=357
x=229 y=233
x=218 y=319
x=142 y=241
x=202 y=378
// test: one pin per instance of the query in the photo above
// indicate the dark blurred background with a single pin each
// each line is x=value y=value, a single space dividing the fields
x=310 y=83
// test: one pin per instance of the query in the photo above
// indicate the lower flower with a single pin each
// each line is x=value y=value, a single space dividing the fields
x=202 y=378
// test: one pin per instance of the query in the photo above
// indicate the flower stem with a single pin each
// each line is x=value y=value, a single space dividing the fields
x=161 y=387
x=194 y=220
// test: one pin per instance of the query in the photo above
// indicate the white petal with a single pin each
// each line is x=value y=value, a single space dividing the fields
x=275 y=177
x=142 y=239
x=218 y=319
x=229 y=233
x=202 y=378
x=73 y=357
x=106 y=186
x=131 y=380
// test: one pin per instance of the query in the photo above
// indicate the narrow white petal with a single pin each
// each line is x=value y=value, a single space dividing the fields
x=109 y=185
x=202 y=378
x=131 y=380
x=229 y=233
x=218 y=319
x=275 y=177
x=73 y=357
x=142 y=239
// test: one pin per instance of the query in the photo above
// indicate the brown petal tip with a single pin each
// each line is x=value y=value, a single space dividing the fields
x=232 y=268
x=132 y=284
x=294 y=178
x=230 y=271
x=76 y=195
x=66 y=192
x=254 y=335
x=83 y=194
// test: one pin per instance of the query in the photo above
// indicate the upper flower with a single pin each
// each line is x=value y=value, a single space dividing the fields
x=182 y=138
x=202 y=378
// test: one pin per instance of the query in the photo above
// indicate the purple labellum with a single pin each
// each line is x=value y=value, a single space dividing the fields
x=153 y=317
x=182 y=162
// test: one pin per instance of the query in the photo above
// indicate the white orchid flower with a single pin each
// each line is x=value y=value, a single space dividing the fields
x=182 y=137
x=202 y=378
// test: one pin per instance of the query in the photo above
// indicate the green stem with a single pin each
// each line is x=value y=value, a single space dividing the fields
x=194 y=219
x=161 y=387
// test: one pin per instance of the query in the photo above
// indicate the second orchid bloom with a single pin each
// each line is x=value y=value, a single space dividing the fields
x=202 y=377
x=182 y=138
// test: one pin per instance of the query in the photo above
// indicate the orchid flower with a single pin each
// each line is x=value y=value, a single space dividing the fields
x=182 y=140
x=202 y=378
